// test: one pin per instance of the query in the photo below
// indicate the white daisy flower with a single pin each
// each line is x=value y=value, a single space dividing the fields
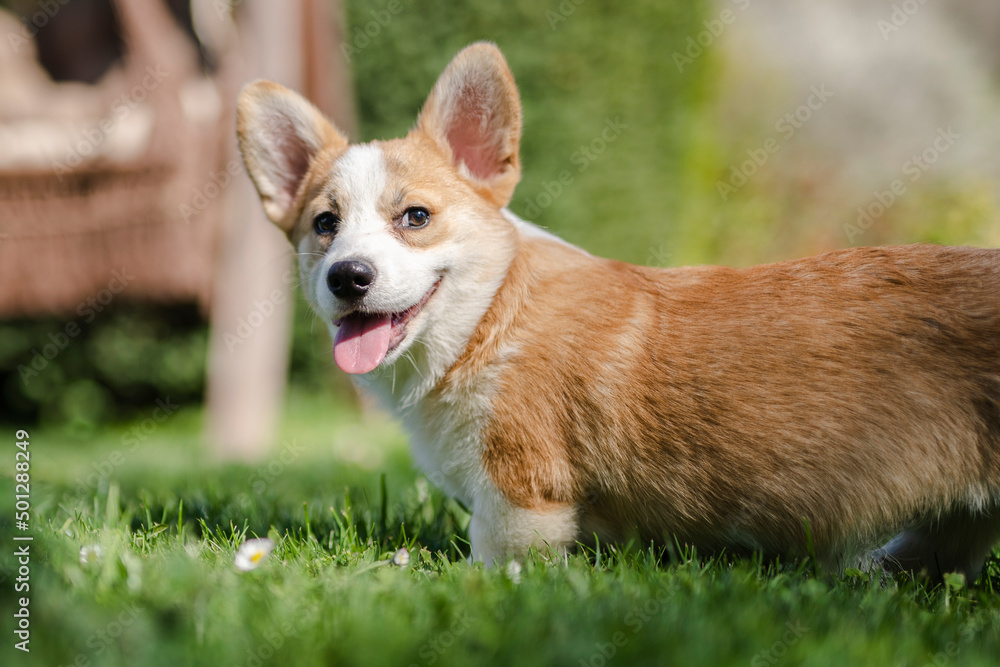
x=401 y=557
x=252 y=553
x=90 y=554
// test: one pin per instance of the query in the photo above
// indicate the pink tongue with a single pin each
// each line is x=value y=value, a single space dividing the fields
x=362 y=342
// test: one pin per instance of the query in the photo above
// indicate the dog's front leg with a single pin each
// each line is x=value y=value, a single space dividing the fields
x=500 y=530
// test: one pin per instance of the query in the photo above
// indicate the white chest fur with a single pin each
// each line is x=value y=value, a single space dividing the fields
x=445 y=427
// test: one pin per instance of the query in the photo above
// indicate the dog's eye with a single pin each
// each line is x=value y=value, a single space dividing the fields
x=415 y=217
x=326 y=223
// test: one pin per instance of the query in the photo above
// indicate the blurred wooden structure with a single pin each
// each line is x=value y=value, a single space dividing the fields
x=139 y=173
x=91 y=176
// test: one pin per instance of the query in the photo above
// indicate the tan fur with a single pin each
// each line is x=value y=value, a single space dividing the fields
x=857 y=391
x=822 y=403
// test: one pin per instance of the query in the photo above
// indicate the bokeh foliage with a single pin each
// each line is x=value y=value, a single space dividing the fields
x=575 y=71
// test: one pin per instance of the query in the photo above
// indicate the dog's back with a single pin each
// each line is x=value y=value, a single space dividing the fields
x=708 y=403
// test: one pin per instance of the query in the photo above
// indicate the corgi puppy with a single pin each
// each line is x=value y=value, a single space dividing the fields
x=813 y=406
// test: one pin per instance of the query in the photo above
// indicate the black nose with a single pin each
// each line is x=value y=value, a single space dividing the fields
x=351 y=279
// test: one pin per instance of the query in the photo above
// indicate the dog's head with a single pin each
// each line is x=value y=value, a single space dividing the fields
x=400 y=242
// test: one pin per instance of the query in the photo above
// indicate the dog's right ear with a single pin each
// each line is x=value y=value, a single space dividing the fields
x=280 y=134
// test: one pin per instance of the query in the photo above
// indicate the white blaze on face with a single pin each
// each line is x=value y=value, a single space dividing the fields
x=362 y=179
x=361 y=343
x=402 y=275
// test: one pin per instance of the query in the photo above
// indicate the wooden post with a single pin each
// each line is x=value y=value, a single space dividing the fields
x=295 y=44
x=252 y=305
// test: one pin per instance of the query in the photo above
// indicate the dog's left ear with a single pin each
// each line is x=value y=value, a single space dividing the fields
x=474 y=115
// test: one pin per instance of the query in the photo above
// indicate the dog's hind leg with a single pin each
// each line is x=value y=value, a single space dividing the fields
x=956 y=541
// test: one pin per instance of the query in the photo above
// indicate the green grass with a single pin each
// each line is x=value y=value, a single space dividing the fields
x=165 y=590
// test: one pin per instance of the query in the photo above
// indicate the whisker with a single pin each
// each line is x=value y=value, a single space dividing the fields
x=413 y=361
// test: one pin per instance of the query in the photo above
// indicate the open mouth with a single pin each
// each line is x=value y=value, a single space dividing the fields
x=364 y=339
